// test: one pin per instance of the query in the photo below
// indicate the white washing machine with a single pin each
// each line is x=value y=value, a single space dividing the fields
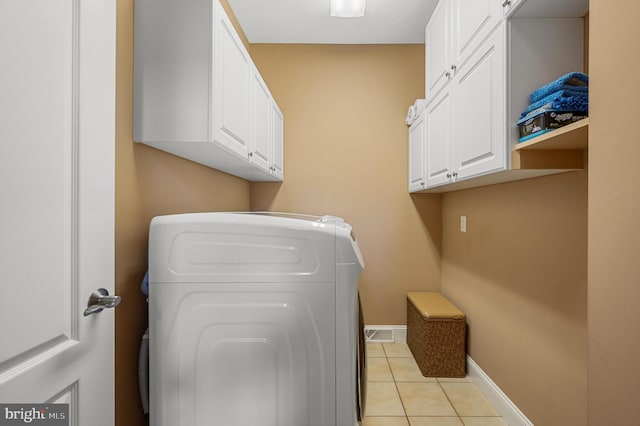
x=254 y=320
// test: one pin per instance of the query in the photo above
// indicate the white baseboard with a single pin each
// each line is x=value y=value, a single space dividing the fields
x=398 y=333
x=510 y=413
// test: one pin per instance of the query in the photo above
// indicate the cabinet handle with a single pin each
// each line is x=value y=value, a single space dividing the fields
x=506 y=3
x=455 y=174
x=250 y=154
x=449 y=175
x=453 y=67
x=447 y=74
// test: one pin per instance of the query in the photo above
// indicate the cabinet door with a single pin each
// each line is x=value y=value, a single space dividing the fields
x=437 y=48
x=259 y=152
x=416 y=155
x=277 y=143
x=438 y=140
x=479 y=111
x=472 y=22
x=231 y=86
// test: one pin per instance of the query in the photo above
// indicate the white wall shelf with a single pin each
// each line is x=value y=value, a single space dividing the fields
x=563 y=150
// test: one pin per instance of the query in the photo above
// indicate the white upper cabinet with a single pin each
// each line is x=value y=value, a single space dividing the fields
x=464 y=133
x=438 y=49
x=439 y=147
x=277 y=142
x=267 y=140
x=197 y=93
x=416 y=155
x=479 y=111
x=260 y=149
x=232 y=73
x=456 y=29
x=472 y=22
x=491 y=55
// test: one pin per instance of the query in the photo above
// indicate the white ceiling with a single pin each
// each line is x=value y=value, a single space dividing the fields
x=309 y=21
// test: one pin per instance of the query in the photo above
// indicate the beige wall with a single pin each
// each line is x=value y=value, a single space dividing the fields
x=236 y=24
x=519 y=273
x=148 y=183
x=346 y=154
x=614 y=214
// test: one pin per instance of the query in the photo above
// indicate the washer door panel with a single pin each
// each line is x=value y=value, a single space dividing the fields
x=243 y=354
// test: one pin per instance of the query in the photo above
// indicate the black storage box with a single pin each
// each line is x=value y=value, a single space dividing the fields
x=544 y=121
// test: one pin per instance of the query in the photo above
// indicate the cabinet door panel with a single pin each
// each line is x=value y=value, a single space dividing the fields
x=261 y=125
x=479 y=109
x=231 y=99
x=437 y=47
x=438 y=140
x=277 y=143
x=416 y=155
x=473 y=21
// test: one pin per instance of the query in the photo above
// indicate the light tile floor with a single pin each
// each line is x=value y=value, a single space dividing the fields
x=399 y=395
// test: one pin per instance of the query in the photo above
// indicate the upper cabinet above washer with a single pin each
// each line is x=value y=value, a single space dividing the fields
x=266 y=148
x=232 y=75
x=195 y=92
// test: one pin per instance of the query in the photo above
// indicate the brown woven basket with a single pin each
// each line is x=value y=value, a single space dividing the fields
x=438 y=345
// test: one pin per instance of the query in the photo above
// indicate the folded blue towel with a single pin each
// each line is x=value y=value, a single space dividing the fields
x=576 y=81
x=565 y=100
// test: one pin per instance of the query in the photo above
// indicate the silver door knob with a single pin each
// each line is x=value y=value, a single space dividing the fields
x=100 y=300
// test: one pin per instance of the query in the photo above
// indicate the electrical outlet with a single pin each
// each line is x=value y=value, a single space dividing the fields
x=463 y=224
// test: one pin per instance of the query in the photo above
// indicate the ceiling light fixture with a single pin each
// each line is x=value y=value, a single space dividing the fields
x=347 y=8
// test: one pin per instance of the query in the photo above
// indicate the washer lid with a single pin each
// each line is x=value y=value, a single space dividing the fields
x=347 y=252
x=232 y=247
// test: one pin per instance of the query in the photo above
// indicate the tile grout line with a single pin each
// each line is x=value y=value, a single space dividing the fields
x=440 y=386
x=449 y=399
x=435 y=380
x=395 y=383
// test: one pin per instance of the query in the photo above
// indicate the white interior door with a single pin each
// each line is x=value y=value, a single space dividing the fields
x=57 y=90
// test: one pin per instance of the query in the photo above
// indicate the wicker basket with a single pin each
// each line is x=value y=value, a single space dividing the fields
x=437 y=344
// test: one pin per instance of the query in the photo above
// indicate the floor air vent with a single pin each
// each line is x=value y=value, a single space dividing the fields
x=379 y=335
